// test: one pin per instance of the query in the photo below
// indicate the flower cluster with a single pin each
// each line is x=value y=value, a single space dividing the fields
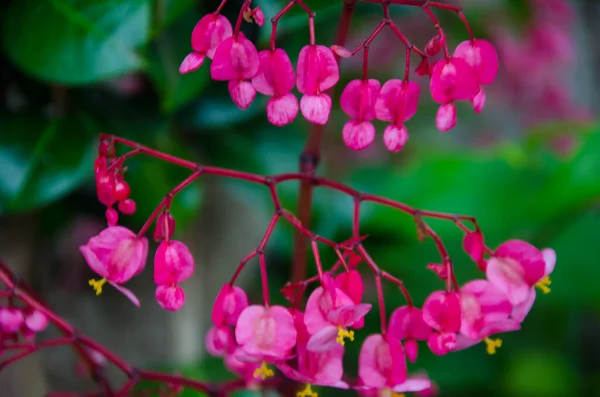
x=270 y=72
x=24 y=322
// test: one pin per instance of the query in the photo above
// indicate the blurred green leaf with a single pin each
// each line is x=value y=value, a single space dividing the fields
x=167 y=11
x=76 y=41
x=41 y=161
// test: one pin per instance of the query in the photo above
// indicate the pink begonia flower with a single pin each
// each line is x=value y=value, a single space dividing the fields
x=36 y=321
x=116 y=255
x=382 y=366
x=475 y=248
x=276 y=78
x=321 y=369
x=208 y=33
x=441 y=311
x=397 y=103
x=173 y=264
x=445 y=118
x=483 y=58
x=236 y=61
x=517 y=267
x=317 y=71
x=406 y=323
x=11 y=320
x=352 y=284
x=259 y=16
x=265 y=334
x=329 y=312
x=358 y=101
x=220 y=341
x=230 y=302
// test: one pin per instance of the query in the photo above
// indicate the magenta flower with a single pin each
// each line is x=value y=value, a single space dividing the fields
x=230 y=302
x=170 y=297
x=220 y=341
x=406 y=323
x=317 y=72
x=11 y=320
x=173 y=264
x=328 y=315
x=165 y=226
x=276 y=78
x=382 y=366
x=442 y=312
x=445 y=118
x=351 y=284
x=517 y=267
x=265 y=334
x=236 y=61
x=358 y=101
x=36 y=321
x=208 y=33
x=397 y=103
x=116 y=255
x=475 y=248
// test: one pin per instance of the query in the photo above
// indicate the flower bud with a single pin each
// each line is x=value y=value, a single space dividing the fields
x=170 y=298
x=173 y=263
x=165 y=226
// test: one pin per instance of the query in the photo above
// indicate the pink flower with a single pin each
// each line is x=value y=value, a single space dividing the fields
x=358 y=101
x=170 y=297
x=474 y=247
x=397 y=103
x=406 y=323
x=230 y=302
x=208 y=33
x=442 y=312
x=323 y=368
x=517 y=267
x=317 y=72
x=244 y=369
x=382 y=365
x=351 y=283
x=36 y=321
x=236 y=61
x=116 y=254
x=173 y=263
x=329 y=312
x=11 y=320
x=445 y=118
x=266 y=333
x=220 y=341
x=165 y=226
x=453 y=80
x=276 y=78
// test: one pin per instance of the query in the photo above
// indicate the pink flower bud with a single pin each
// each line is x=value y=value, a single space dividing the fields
x=105 y=189
x=170 y=298
x=36 y=321
x=228 y=305
x=258 y=16
x=340 y=51
x=127 y=207
x=165 y=226
x=173 y=263
x=395 y=138
x=479 y=101
x=423 y=68
x=208 y=33
x=445 y=118
x=219 y=341
x=122 y=190
x=474 y=247
x=112 y=216
x=193 y=61
x=11 y=320
x=434 y=46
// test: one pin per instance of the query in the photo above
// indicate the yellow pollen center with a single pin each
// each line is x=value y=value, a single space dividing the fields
x=544 y=285
x=97 y=285
x=492 y=345
x=307 y=392
x=263 y=372
x=344 y=333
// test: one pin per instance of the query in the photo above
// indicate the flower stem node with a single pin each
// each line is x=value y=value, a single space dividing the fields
x=263 y=372
x=544 y=285
x=344 y=333
x=492 y=345
x=97 y=285
x=307 y=392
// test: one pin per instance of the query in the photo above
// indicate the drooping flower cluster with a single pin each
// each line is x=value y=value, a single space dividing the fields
x=270 y=72
x=16 y=321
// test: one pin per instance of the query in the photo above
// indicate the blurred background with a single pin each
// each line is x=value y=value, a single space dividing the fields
x=528 y=167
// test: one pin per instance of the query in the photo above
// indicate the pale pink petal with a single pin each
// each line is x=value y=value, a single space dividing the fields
x=352 y=284
x=235 y=60
x=286 y=330
x=263 y=81
x=36 y=321
x=316 y=108
x=411 y=347
x=482 y=57
x=314 y=318
x=294 y=374
x=341 y=51
x=521 y=310
x=453 y=80
x=130 y=295
x=412 y=385
x=358 y=135
x=526 y=256
x=170 y=298
x=323 y=340
x=442 y=311
x=347 y=315
x=244 y=329
x=193 y=61
x=549 y=260
x=93 y=261
x=479 y=101
x=445 y=118
x=507 y=276
x=329 y=73
x=394 y=138
x=464 y=342
x=282 y=110
x=242 y=93
x=371 y=353
x=282 y=71
x=328 y=365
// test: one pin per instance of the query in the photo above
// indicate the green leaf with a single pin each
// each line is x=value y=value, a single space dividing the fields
x=41 y=161
x=76 y=41
x=166 y=54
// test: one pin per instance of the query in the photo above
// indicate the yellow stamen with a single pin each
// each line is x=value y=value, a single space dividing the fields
x=344 y=333
x=394 y=394
x=97 y=285
x=263 y=372
x=307 y=392
x=492 y=345
x=544 y=285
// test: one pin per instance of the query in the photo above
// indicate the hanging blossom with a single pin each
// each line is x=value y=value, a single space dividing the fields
x=208 y=33
x=397 y=103
x=442 y=312
x=116 y=255
x=173 y=264
x=358 y=101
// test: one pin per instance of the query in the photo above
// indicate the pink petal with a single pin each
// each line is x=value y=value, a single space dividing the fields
x=235 y=60
x=317 y=70
x=191 y=62
x=263 y=81
x=359 y=97
x=282 y=110
x=442 y=343
x=407 y=323
x=327 y=366
x=549 y=260
x=36 y=321
x=521 y=310
x=323 y=340
x=314 y=318
x=286 y=331
x=170 y=298
x=11 y=320
x=347 y=315
x=242 y=93
x=352 y=284
x=219 y=340
x=316 y=108
x=412 y=385
x=482 y=57
x=397 y=101
x=473 y=245
x=445 y=118
x=479 y=101
x=411 y=348
x=528 y=257
x=394 y=138
x=130 y=295
x=244 y=329
x=173 y=263
x=358 y=135
x=507 y=276
x=341 y=51
x=209 y=32
x=453 y=80
x=283 y=72
x=371 y=352
x=294 y=374
x=442 y=311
